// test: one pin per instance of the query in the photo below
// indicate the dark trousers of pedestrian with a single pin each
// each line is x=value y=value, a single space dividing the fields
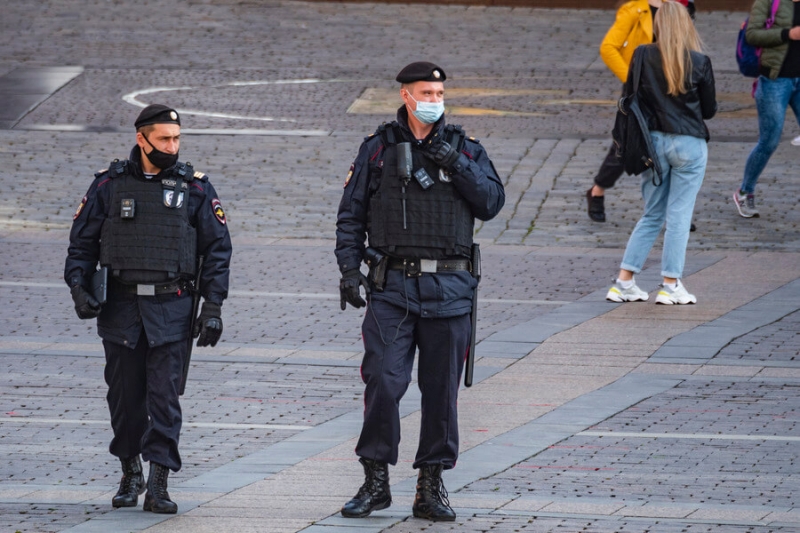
x=391 y=338
x=610 y=170
x=143 y=384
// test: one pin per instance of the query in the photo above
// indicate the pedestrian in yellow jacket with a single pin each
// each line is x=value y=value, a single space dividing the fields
x=632 y=27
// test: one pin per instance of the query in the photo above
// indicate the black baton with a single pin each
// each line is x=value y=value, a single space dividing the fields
x=476 y=273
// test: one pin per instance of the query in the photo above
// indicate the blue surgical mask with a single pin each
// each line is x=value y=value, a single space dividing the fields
x=428 y=112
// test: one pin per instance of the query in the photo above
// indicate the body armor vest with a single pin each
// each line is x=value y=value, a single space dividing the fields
x=407 y=221
x=144 y=240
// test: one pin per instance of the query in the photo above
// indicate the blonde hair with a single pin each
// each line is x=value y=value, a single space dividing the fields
x=675 y=37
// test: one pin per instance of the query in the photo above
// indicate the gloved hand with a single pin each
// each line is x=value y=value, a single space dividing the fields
x=442 y=154
x=208 y=326
x=349 y=286
x=85 y=304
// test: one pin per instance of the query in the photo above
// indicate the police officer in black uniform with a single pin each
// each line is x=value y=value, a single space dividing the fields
x=147 y=220
x=413 y=192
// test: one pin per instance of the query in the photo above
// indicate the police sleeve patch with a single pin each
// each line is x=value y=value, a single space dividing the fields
x=80 y=208
x=349 y=174
x=216 y=206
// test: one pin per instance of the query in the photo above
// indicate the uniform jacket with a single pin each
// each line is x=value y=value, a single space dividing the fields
x=430 y=295
x=682 y=114
x=632 y=27
x=165 y=317
x=774 y=41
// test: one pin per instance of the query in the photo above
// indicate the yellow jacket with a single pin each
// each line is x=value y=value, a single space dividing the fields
x=633 y=27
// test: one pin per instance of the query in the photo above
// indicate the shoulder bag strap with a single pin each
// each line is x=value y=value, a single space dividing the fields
x=638 y=61
x=771 y=20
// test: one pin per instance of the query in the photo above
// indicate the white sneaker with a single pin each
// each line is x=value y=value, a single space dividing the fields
x=632 y=294
x=746 y=204
x=677 y=296
x=796 y=141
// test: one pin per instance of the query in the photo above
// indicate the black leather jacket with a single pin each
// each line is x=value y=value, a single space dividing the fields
x=683 y=114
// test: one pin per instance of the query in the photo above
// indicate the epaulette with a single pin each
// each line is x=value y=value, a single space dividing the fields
x=200 y=176
x=100 y=172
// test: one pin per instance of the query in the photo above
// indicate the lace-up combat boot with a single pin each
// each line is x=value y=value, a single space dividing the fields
x=374 y=494
x=157 y=498
x=431 y=500
x=131 y=485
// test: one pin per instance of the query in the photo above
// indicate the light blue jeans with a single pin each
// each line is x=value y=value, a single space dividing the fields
x=772 y=99
x=683 y=163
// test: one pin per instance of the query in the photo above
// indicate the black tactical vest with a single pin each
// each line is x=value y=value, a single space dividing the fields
x=436 y=223
x=144 y=240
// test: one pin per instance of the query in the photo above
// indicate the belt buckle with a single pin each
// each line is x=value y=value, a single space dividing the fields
x=145 y=290
x=428 y=265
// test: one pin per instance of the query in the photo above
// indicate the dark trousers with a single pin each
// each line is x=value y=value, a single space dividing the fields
x=610 y=170
x=390 y=340
x=143 y=400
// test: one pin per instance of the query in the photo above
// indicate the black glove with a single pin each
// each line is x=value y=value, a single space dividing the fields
x=85 y=305
x=442 y=154
x=349 y=286
x=208 y=326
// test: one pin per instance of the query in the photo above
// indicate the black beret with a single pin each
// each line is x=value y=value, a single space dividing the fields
x=157 y=114
x=421 y=71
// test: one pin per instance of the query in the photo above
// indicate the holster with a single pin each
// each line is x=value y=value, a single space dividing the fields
x=377 y=263
x=476 y=261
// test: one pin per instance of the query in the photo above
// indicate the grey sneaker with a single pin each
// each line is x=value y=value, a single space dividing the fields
x=677 y=296
x=746 y=204
x=632 y=294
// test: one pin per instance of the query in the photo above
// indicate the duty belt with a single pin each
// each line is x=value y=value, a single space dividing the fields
x=416 y=267
x=171 y=287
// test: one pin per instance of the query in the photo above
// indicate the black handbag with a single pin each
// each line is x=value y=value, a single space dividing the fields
x=631 y=134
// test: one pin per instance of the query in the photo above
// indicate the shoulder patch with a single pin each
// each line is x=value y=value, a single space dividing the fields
x=80 y=208
x=216 y=206
x=349 y=174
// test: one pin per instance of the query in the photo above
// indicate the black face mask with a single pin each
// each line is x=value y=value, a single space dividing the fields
x=160 y=159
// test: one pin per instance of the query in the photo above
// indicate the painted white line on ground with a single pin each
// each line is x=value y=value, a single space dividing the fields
x=32 y=284
x=698 y=436
x=207 y=425
x=34 y=224
x=133 y=97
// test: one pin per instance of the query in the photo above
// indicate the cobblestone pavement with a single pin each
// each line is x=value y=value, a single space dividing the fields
x=585 y=416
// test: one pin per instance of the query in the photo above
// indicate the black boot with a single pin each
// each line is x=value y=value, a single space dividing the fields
x=431 y=500
x=374 y=494
x=157 y=498
x=131 y=485
x=596 y=207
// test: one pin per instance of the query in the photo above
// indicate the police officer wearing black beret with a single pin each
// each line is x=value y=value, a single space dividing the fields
x=146 y=221
x=413 y=193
